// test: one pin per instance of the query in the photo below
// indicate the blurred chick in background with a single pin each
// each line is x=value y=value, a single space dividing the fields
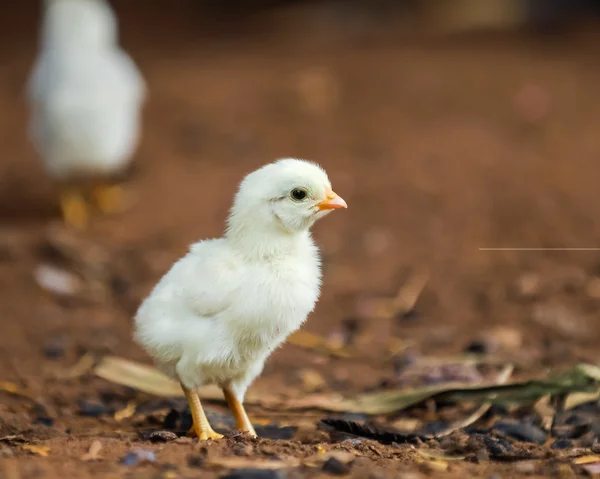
x=86 y=96
x=221 y=310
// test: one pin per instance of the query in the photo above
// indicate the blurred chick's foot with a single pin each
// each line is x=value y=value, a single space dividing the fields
x=110 y=199
x=74 y=209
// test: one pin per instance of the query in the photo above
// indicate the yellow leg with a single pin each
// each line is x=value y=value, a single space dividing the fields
x=74 y=208
x=110 y=199
x=201 y=426
x=239 y=413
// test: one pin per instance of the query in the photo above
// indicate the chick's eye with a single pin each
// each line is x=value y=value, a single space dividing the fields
x=298 y=194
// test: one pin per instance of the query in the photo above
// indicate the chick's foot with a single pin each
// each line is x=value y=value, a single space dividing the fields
x=201 y=428
x=242 y=420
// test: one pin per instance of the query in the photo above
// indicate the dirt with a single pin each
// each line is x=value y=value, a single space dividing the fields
x=441 y=146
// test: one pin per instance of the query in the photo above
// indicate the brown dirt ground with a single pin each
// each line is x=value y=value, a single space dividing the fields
x=440 y=147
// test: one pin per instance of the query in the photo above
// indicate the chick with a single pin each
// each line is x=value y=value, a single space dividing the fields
x=221 y=310
x=85 y=96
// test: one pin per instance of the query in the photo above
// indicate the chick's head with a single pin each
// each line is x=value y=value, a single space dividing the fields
x=87 y=23
x=287 y=196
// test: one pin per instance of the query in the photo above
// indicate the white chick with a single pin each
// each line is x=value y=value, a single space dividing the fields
x=221 y=310
x=85 y=95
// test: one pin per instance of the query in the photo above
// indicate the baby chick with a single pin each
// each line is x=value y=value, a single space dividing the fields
x=221 y=310
x=85 y=95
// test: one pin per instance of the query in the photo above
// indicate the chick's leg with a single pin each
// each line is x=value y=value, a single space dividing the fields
x=201 y=427
x=74 y=207
x=239 y=413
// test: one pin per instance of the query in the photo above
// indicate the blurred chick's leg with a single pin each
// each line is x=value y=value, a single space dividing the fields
x=201 y=426
x=109 y=198
x=74 y=208
x=239 y=413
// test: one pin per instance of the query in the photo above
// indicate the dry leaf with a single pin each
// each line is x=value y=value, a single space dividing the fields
x=543 y=408
x=9 y=387
x=81 y=367
x=396 y=346
x=36 y=449
x=93 y=451
x=407 y=424
x=409 y=292
x=577 y=399
x=438 y=465
x=126 y=412
x=13 y=439
x=382 y=307
x=137 y=376
x=583 y=377
x=586 y=460
x=438 y=455
x=12 y=388
x=150 y=380
x=473 y=418
x=307 y=340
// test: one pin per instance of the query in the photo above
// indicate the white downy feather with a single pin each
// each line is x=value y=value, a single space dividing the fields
x=85 y=92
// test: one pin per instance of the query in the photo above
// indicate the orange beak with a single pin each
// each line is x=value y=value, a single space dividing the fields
x=333 y=202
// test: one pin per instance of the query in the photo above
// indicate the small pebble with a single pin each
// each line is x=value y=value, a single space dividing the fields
x=171 y=419
x=196 y=461
x=495 y=447
x=159 y=436
x=522 y=432
x=93 y=408
x=335 y=467
x=57 y=281
x=562 y=444
x=410 y=316
x=46 y=421
x=55 y=346
x=478 y=347
x=137 y=456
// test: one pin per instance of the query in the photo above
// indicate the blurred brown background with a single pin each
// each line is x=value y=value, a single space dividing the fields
x=447 y=126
